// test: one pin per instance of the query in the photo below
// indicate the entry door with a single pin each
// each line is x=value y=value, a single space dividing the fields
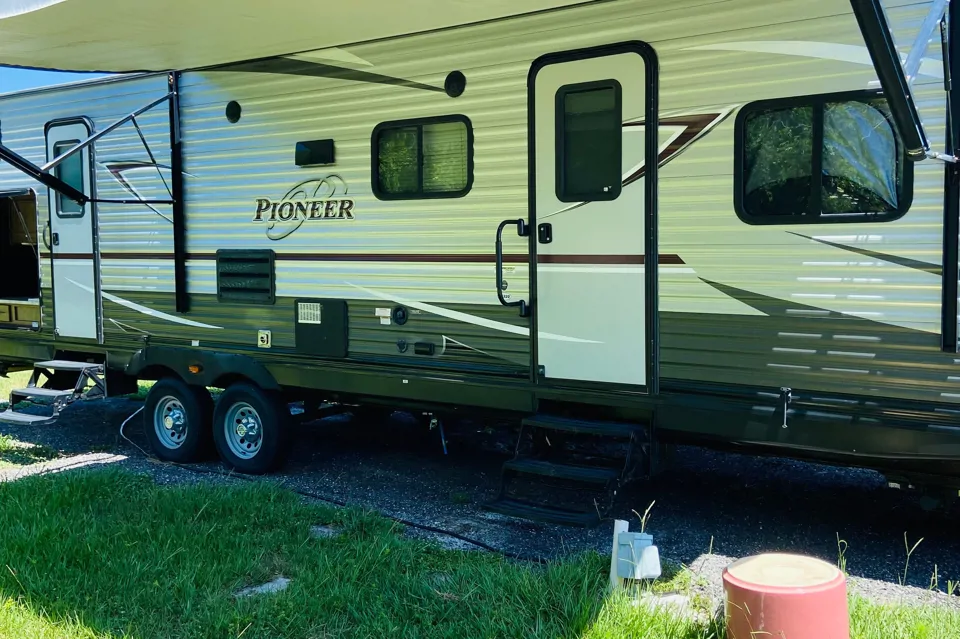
x=72 y=228
x=594 y=214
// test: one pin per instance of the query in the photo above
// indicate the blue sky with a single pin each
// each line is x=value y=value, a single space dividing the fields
x=18 y=79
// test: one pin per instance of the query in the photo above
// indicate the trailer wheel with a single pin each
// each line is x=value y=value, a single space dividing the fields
x=250 y=428
x=177 y=420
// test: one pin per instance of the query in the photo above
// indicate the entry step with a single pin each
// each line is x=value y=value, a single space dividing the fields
x=584 y=426
x=10 y=417
x=40 y=392
x=523 y=510
x=67 y=365
x=562 y=471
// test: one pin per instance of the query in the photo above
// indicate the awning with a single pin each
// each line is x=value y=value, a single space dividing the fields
x=158 y=35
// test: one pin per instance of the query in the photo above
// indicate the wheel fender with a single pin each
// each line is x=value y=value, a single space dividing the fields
x=210 y=365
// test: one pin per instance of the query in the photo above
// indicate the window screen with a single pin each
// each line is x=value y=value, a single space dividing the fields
x=820 y=159
x=589 y=141
x=423 y=158
x=71 y=172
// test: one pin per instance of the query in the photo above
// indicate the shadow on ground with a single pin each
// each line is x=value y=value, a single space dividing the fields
x=743 y=504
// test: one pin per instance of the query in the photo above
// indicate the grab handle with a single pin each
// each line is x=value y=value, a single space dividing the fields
x=523 y=231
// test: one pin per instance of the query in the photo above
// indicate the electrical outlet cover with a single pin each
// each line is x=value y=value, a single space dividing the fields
x=264 y=339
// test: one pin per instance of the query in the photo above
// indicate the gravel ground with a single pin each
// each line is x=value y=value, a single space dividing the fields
x=710 y=507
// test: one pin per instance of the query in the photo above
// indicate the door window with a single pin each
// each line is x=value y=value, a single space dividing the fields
x=71 y=172
x=589 y=141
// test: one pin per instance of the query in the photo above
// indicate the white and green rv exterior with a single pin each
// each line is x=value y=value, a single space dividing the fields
x=705 y=218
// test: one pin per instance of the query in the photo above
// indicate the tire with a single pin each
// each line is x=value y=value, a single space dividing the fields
x=240 y=408
x=177 y=419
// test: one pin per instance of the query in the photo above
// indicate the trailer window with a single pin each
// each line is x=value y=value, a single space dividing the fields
x=427 y=158
x=71 y=172
x=830 y=158
x=589 y=141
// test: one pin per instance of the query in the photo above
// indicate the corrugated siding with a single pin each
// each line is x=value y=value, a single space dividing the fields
x=755 y=305
x=811 y=316
x=123 y=228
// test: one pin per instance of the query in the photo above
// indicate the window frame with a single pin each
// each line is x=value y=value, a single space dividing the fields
x=559 y=119
x=817 y=102
x=60 y=197
x=419 y=123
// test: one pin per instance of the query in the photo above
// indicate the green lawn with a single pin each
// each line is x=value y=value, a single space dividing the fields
x=107 y=554
x=11 y=381
x=16 y=453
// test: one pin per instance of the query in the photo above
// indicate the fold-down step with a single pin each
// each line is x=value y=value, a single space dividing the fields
x=562 y=471
x=10 y=417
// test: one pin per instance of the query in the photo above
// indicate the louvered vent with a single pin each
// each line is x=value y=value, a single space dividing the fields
x=246 y=276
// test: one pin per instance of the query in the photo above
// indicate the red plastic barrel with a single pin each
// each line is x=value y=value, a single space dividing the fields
x=781 y=595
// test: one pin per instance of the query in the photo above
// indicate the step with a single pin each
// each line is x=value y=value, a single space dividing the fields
x=523 y=510
x=562 y=471
x=40 y=392
x=66 y=365
x=583 y=426
x=10 y=417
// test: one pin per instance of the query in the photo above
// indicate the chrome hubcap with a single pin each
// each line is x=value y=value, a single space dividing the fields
x=170 y=422
x=244 y=430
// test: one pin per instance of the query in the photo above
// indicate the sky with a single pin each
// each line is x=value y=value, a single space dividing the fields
x=18 y=79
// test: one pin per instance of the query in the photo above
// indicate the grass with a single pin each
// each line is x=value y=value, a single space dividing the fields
x=10 y=382
x=20 y=380
x=110 y=555
x=142 y=389
x=17 y=453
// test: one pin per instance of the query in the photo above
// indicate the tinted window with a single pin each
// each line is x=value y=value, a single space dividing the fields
x=423 y=159
x=71 y=172
x=589 y=141
x=862 y=168
x=779 y=159
x=820 y=159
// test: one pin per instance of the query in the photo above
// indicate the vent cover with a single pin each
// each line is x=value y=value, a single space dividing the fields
x=309 y=313
x=246 y=276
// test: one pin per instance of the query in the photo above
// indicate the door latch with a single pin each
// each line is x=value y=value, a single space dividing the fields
x=55 y=239
x=545 y=233
x=786 y=396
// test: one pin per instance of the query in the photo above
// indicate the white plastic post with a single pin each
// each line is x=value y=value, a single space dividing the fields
x=619 y=526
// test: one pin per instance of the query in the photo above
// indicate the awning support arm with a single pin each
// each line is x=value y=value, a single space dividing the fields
x=96 y=136
x=42 y=173
x=886 y=61
x=47 y=179
x=922 y=42
x=146 y=146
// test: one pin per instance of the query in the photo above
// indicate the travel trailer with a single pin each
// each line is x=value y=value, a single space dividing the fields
x=627 y=224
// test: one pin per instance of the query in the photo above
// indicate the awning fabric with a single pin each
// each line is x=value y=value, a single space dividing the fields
x=158 y=35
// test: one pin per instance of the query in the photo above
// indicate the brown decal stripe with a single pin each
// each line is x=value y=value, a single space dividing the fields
x=339 y=257
x=292 y=66
x=605 y=259
x=71 y=256
x=441 y=258
x=136 y=256
x=433 y=258
x=694 y=127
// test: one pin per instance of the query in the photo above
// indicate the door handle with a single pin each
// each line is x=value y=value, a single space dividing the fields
x=523 y=231
x=55 y=239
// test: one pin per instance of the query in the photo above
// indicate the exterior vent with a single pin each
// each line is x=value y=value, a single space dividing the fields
x=246 y=276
